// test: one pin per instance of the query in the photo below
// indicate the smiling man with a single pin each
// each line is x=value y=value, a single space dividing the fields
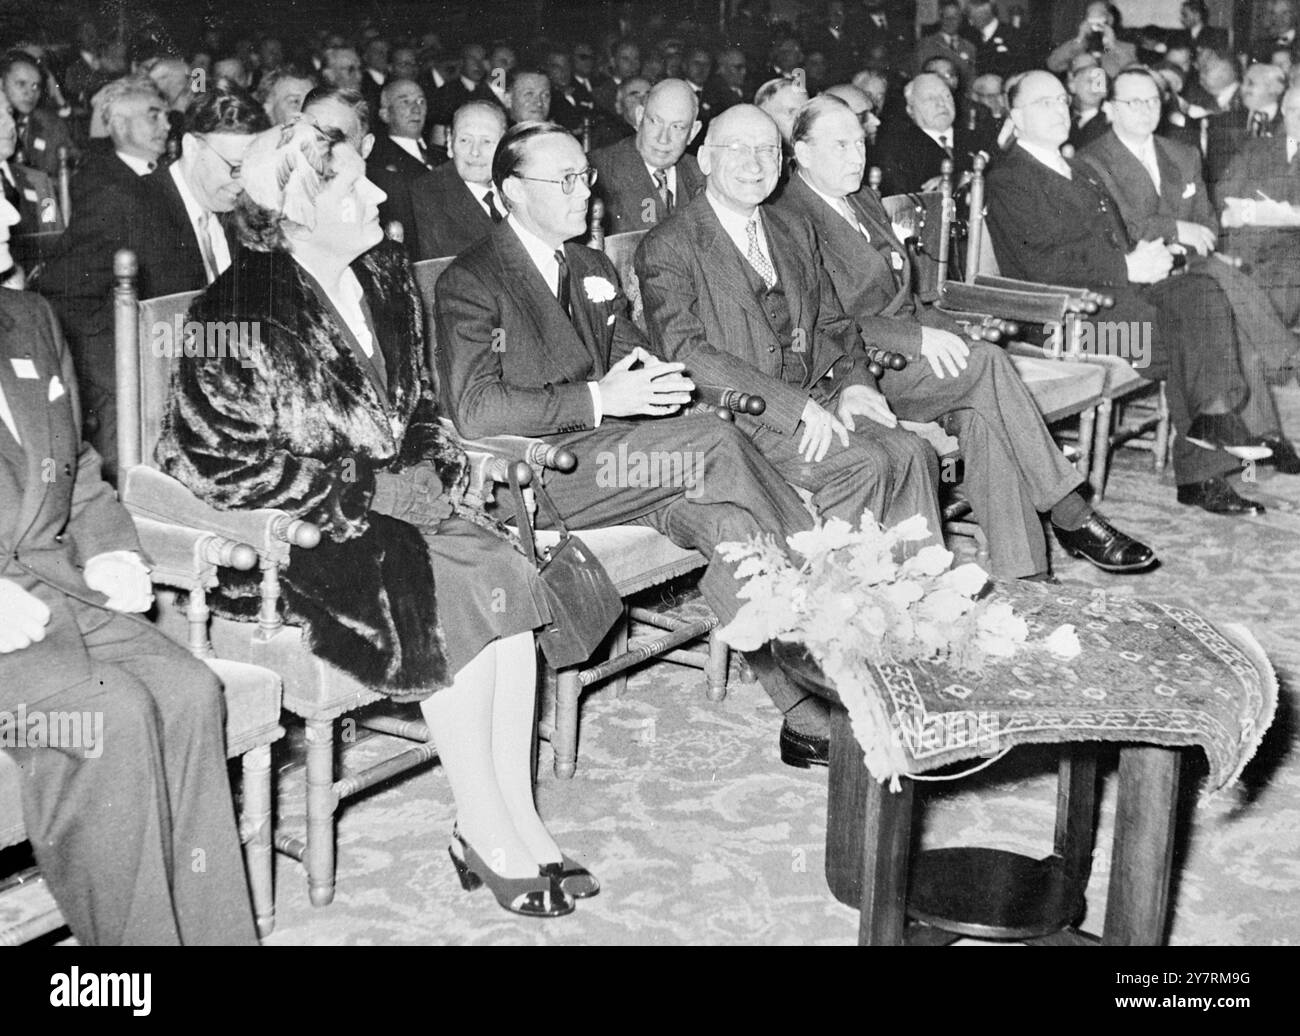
x=645 y=178
x=457 y=205
x=1014 y=469
x=534 y=339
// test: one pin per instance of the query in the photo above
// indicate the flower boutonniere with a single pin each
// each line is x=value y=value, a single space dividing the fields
x=598 y=289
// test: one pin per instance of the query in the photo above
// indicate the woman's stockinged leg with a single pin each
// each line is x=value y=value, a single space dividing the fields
x=460 y=717
x=513 y=720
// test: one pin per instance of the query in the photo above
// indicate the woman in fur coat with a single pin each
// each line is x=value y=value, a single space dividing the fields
x=327 y=413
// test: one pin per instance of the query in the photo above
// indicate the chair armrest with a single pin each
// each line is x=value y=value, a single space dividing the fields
x=148 y=493
x=189 y=558
x=1081 y=300
x=1034 y=307
x=733 y=401
x=982 y=327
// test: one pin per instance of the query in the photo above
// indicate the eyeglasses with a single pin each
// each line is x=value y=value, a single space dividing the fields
x=1060 y=101
x=567 y=182
x=1150 y=103
x=764 y=154
x=234 y=167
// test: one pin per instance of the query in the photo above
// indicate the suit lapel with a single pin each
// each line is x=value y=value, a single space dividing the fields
x=723 y=261
x=29 y=403
x=790 y=275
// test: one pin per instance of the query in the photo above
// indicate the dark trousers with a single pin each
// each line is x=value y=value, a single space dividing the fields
x=139 y=845
x=1014 y=469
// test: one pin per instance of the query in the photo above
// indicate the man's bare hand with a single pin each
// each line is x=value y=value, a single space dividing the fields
x=1149 y=263
x=1197 y=236
x=23 y=617
x=944 y=350
x=818 y=427
x=655 y=387
x=861 y=401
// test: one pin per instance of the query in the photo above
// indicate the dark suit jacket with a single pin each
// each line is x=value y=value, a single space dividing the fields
x=631 y=199
x=1227 y=133
x=398 y=175
x=44 y=134
x=908 y=156
x=1272 y=252
x=56 y=513
x=1209 y=36
x=509 y=361
x=1148 y=215
x=961 y=53
x=1082 y=136
x=39 y=216
x=700 y=309
x=448 y=219
x=1261 y=165
x=1003 y=54
x=719 y=96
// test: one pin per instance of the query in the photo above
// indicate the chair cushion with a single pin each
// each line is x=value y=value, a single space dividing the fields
x=1060 y=387
x=635 y=556
x=252 y=695
x=12 y=830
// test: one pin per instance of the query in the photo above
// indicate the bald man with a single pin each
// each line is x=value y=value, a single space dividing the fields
x=646 y=177
x=861 y=105
x=734 y=290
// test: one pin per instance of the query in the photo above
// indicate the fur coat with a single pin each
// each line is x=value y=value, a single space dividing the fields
x=294 y=423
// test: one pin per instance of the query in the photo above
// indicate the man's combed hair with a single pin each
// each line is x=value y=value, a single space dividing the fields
x=771 y=88
x=513 y=148
x=272 y=78
x=806 y=118
x=226 y=108
x=351 y=98
x=113 y=94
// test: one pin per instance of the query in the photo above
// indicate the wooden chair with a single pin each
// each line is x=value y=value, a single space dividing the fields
x=313 y=690
x=637 y=558
x=187 y=558
x=1146 y=425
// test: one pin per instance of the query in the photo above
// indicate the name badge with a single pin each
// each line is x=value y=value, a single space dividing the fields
x=896 y=259
x=24 y=368
x=39 y=143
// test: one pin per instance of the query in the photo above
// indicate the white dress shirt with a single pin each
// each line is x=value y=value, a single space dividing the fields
x=480 y=192
x=1050 y=158
x=6 y=415
x=672 y=181
x=349 y=306
x=1145 y=152
x=736 y=227
x=139 y=166
x=944 y=139
x=543 y=257
x=990 y=30
x=840 y=206
x=220 y=247
x=411 y=146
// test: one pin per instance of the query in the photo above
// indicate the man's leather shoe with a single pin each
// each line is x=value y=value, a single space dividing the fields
x=1226 y=432
x=1105 y=546
x=1217 y=497
x=1284 y=461
x=803 y=751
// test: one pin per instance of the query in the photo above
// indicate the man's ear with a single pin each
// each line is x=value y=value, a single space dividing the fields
x=801 y=155
x=367 y=145
x=695 y=130
x=705 y=160
x=639 y=114
x=510 y=186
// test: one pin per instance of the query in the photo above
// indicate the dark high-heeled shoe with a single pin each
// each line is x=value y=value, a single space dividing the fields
x=539 y=896
x=574 y=879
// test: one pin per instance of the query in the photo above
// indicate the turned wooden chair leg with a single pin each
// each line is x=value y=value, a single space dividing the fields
x=618 y=646
x=1137 y=904
x=1101 y=449
x=322 y=802
x=564 y=738
x=1163 y=439
x=715 y=671
x=255 y=827
x=1088 y=421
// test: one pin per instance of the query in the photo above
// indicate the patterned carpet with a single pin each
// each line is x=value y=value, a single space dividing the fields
x=701 y=836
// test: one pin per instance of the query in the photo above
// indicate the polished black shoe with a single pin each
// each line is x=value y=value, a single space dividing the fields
x=1105 y=546
x=1226 y=432
x=1284 y=461
x=575 y=880
x=1217 y=497
x=804 y=751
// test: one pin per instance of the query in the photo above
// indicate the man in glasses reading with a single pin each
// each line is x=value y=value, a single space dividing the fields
x=534 y=339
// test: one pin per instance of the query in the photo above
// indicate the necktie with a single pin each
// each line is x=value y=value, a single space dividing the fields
x=205 y=246
x=665 y=195
x=945 y=142
x=756 y=257
x=489 y=200
x=851 y=216
x=1256 y=124
x=562 y=285
x=424 y=152
x=1153 y=166
x=20 y=152
x=11 y=192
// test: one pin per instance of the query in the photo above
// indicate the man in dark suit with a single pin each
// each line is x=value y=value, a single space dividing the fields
x=626 y=63
x=534 y=340
x=1052 y=220
x=400 y=158
x=882 y=24
x=1258 y=115
x=1157 y=185
x=1197 y=31
x=911 y=150
x=1281 y=32
x=457 y=204
x=645 y=178
x=470 y=85
x=1260 y=198
x=946 y=41
x=41 y=133
x=1014 y=470
x=172 y=223
x=1088 y=88
x=32 y=195
x=737 y=294
x=726 y=87
x=999 y=49
x=834 y=39
x=119 y=819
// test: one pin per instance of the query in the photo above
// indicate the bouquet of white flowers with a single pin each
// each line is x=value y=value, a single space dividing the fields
x=853 y=601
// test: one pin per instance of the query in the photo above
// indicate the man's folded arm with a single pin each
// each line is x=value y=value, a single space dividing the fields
x=670 y=299
x=474 y=391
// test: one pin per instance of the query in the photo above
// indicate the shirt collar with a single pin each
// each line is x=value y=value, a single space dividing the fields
x=733 y=222
x=408 y=144
x=1225 y=96
x=192 y=206
x=1140 y=149
x=937 y=136
x=672 y=176
x=1269 y=113
x=139 y=166
x=542 y=254
x=1049 y=157
x=990 y=30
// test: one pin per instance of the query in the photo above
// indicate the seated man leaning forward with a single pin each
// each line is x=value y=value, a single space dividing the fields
x=534 y=340
x=1014 y=470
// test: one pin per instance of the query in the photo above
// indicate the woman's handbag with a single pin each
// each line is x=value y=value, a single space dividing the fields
x=584 y=602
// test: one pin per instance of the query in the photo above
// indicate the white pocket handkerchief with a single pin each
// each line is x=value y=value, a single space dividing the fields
x=31 y=195
x=56 y=389
x=24 y=368
x=611 y=319
x=1189 y=190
